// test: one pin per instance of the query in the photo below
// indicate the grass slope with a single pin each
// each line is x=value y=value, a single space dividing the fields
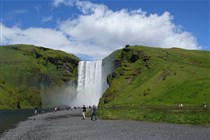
x=149 y=83
x=25 y=69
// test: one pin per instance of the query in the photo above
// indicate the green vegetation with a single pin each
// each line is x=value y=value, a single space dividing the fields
x=26 y=69
x=196 y=116
x=161 y=78
x=144 y=83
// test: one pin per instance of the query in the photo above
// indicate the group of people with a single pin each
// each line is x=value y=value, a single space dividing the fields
x=204 y=105
x=84 y=108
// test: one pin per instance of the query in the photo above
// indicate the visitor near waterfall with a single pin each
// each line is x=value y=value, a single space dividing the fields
x=83 y=112
x=93 y=113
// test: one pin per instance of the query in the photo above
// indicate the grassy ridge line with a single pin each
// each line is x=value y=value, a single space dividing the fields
x=147 y=76
x=25 y=69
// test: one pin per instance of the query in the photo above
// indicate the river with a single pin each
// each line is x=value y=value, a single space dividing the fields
x=10 y=118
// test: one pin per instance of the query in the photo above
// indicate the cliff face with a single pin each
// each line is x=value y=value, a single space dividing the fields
x=159 y=77
x=26 y=70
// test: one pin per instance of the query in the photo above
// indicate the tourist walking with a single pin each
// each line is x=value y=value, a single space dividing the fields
x=204 y=104
x=93 y=113
x=83 y=112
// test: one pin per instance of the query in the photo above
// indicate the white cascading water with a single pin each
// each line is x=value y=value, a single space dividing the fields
x=89 y=89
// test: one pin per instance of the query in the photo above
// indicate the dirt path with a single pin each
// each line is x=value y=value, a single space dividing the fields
x=67 y=125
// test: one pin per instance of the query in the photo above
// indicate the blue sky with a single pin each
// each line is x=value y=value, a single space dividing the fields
x=93 y=29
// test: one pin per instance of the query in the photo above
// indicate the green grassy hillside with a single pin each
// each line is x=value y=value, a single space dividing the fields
x=149 y=79
x=25 y=69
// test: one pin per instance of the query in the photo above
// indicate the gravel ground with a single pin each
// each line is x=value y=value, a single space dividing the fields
x=67 y=125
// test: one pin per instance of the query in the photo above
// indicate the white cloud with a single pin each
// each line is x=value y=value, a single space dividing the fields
x=104 y=30
x=47 y=19
x=46 y=37
x=57 y=3
x=38 y=8
x=88 y=8
x=99 y=31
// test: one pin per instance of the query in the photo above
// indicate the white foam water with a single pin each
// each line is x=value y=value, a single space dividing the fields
x=89 y=89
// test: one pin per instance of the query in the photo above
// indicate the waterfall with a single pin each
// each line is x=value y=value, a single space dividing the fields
x=89 y=89
x=92 y=83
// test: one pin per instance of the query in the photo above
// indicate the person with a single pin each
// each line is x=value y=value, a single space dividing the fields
x=83 y=112
x=180 y=105
x=204 y=104
x=93 y=113
x=35 y=112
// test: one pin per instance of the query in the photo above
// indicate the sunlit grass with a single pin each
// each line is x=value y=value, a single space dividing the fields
x=158 y=77
x=25 y=69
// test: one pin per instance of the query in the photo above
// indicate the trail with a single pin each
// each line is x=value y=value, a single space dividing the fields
x=68 y=125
